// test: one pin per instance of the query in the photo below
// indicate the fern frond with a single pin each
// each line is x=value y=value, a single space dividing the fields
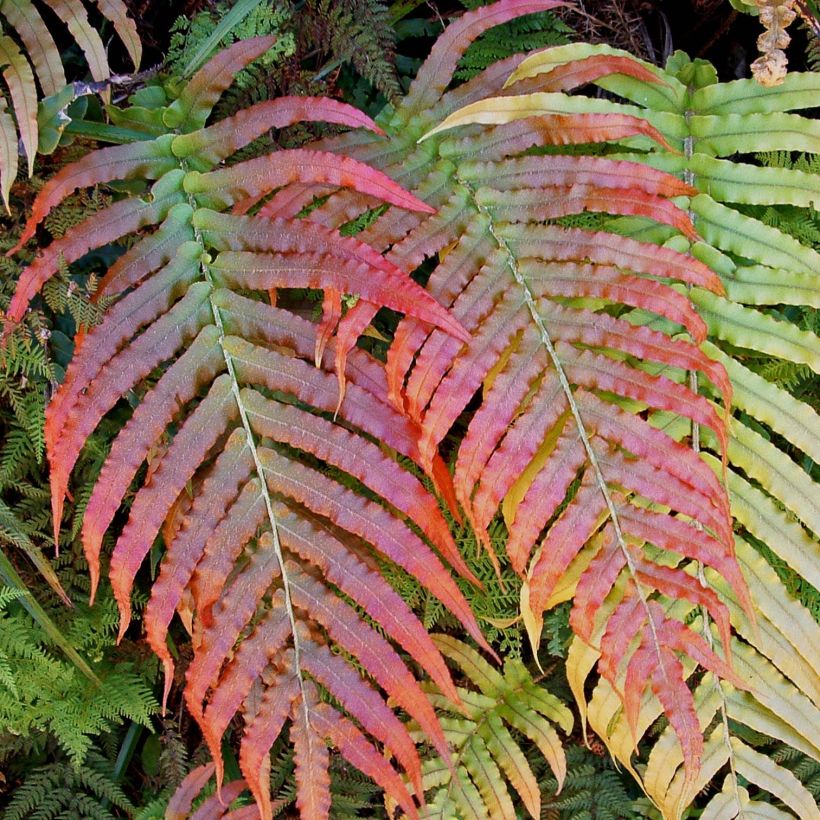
x=360 y=31
x=514 y=37
x=49 y=694
x=592 y=789
x=61 y=790
x=190 y=35
x=488 y=760
x=270 y=540
x=554 y=442
x=760 y=265
x=607 y=525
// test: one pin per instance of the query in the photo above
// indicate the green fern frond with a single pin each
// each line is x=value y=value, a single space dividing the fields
x=75 y=210
x=59 y=790
x=517 y=36
x=495 y=604
x=485 y=734
x=593 y=789
x=803 y=767
x=188 y=34
x=353 y=794
x=47 y=694
x=361 y=32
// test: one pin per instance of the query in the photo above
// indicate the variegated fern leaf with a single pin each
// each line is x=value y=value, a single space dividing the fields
x=597 y=434
x=35 y=60
x=269 y=485
x=772 y=497
x=559 y=441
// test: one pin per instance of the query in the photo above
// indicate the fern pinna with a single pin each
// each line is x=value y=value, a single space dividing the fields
x=267 y=486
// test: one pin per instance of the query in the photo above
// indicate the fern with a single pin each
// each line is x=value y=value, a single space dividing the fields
x=528 y=448
x=595 y=422
x=593 y=790
x=803 y=767
x=38 y=62
x=759 y=266
x=358 y=31
x=268 y=417
x=188 y=35
x=30 y=366
x=495 y=603
x=61 y=790
x=487 y=763
x=514 y=37
x=491 y=231
x=45 y=693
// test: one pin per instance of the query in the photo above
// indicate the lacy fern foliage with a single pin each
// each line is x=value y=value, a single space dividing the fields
x=43 y=693
x=66 y=790
x=588 y=377
x=516 y=36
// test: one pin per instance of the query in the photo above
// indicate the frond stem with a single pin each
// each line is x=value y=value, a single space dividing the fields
x=689 y=179
x=251 y=443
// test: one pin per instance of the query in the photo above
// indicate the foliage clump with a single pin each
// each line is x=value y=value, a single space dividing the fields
x=594 y=427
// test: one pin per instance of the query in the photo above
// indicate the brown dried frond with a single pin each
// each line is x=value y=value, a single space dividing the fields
x=776 y=16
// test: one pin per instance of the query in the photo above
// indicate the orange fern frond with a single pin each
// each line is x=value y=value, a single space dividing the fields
x=292 y=494
x=576 y=336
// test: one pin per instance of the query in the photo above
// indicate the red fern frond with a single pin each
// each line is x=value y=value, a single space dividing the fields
x=575 y=337
x=295 y=488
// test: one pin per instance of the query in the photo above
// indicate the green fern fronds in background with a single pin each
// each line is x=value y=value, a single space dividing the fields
x=804 y=768
x=353 y=795
x=31 y=364
x=61 y=790
x=45 y=695
x=514 y=37
x=495 y=604
x=358 y=31
x=324 y=33
x=267 y=17
x=26 y=372
x=801 y=223
x=593 y=790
